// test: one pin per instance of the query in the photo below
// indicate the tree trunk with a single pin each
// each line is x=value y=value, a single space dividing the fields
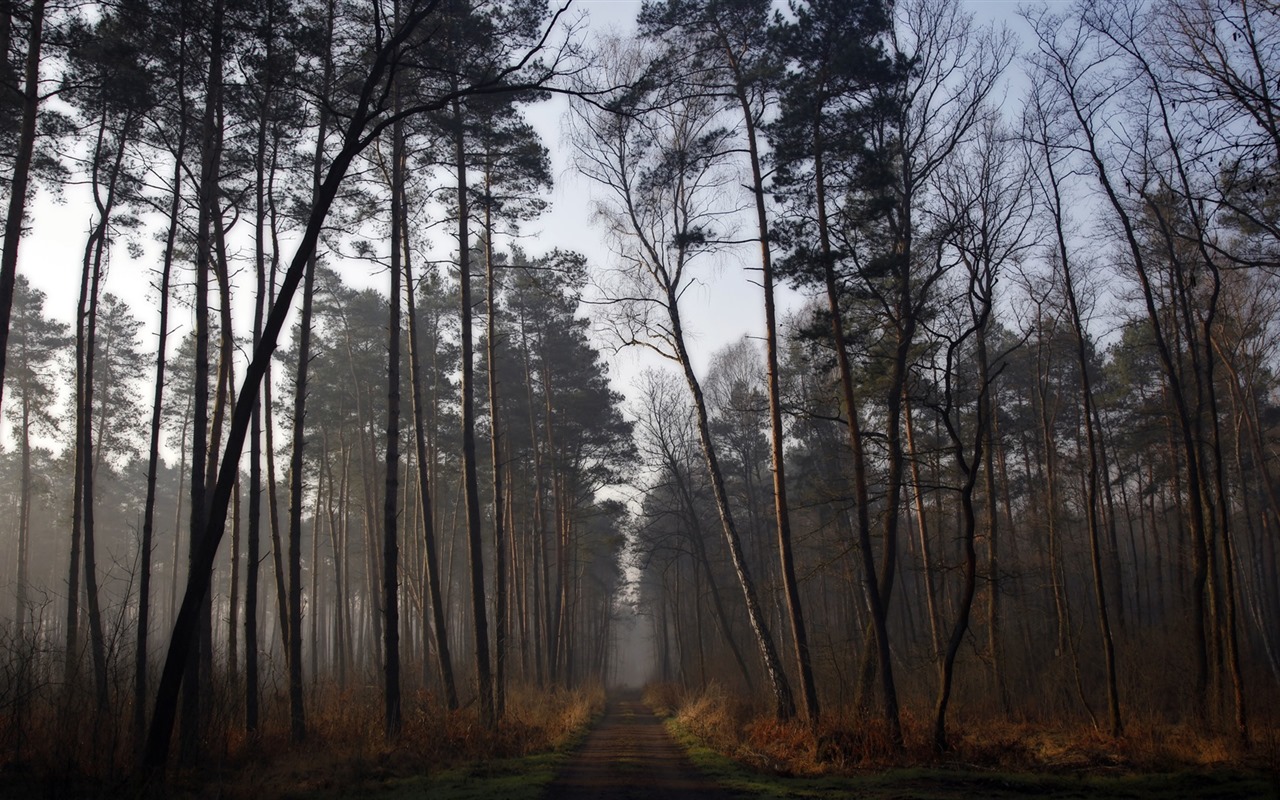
x=969 y=569
x=495 y=449
x=1092 y=501
x=875 y=601
x=86 y=330
x=475 y=548
x=782 y=514
x=922 y=528
x=24 y=505
x=784 y=701
x=297 y=713
x=1184 y=415
x=390 y=509
x=157 y=408
x=261 y=210
x=695 y=536
x=424 y=462
x=210 y=158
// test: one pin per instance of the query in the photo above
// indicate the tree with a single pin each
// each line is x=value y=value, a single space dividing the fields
x=661 y=158
x=116 y=93
x=146 y=546
x=821 y=121
x=727 y=43
x=276 y=61
x=391 y=544
x=472 y=33
x=578 y=443
x=668 y=444
x=425 y=462
x=987 y=221
x=1049 y=183
x=38 y=344
x=1075 y=62
x=22 y=165
x=297 y=716
x=515 y=167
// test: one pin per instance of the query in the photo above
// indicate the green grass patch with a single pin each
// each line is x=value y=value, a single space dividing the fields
x=938 y=783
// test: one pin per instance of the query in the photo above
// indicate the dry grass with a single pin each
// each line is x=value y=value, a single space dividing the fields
x=346 y=748
x=845 y=743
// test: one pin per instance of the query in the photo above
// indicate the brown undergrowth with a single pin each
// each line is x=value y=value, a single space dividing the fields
x=845 y=743
x=346 y=749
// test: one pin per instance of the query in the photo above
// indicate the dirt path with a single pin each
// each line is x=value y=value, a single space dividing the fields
x=630 y=756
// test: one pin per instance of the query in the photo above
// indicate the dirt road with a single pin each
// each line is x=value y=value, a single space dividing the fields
x=630 y=756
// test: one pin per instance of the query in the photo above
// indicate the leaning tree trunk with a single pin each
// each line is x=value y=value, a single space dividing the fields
x=782 y=514
x=784 y=701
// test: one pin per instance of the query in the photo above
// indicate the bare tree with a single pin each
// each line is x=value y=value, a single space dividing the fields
x=661 y=159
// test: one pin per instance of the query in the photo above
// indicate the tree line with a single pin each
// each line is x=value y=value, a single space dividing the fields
x=1023 y=413
x=417 y=531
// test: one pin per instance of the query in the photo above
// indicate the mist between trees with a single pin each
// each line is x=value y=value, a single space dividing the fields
x=1015 y=448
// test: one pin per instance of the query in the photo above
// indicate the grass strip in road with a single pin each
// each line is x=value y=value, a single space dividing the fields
x=937 y=783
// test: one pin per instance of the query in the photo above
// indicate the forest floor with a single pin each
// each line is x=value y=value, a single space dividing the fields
x=631 y=753
x=955 y=782
x=951 y=781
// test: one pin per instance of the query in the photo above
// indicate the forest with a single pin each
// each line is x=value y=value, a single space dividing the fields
x=909 y=395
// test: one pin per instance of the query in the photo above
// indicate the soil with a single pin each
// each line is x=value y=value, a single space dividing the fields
x=630 y=756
